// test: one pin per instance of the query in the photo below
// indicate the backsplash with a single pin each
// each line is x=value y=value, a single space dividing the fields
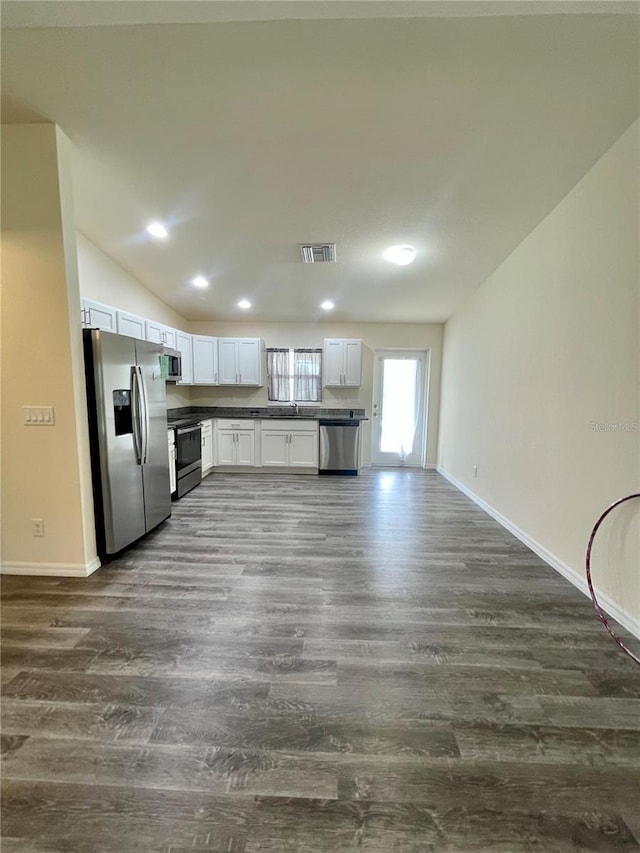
x=257 y=397
x=178 y=396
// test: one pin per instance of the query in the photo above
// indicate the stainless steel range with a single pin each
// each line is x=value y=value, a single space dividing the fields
x=188 y=455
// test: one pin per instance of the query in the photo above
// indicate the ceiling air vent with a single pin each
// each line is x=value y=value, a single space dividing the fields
x=318 y=253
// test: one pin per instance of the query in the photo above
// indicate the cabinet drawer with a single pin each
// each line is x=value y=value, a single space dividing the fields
x=289 y=425
x=238 y=423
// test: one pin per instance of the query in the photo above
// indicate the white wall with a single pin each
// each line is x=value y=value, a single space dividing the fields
x=374 y=335
x=102 y=279
x=545 y=349
x=45 y=470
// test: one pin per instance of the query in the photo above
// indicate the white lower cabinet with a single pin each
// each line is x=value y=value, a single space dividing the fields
x=172 y=460
x=287 y=444
x=235 y=443
x=207 y=446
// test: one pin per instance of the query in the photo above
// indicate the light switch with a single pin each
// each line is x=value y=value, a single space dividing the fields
x=38 y=415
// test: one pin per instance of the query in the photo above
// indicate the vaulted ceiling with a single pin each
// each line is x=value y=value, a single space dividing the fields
x=452 y=133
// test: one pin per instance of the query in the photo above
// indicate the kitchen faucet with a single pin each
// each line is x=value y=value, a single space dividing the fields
x=295 y=408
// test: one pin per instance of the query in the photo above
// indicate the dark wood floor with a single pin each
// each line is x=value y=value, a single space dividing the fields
x=304 y=665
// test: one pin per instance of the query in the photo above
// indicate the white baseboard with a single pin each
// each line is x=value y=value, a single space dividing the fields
x=58 y=570
x=622 y=616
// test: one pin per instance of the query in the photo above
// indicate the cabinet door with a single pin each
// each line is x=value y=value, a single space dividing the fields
x=153 y=331
x=185 y=347
x=99 y=316
x=352 y=363
x=172 y=462
x=131 y=325
x=249 y=361
x=169 y=337
x=226 y=447
x=333 y=362
x=303 y=449
x=205 y=357
x=227 y=361
x=275 y=449
x=207 y=446
x=245 y=448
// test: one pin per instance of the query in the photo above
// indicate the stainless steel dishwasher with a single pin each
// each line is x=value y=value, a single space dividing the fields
x=339 y=446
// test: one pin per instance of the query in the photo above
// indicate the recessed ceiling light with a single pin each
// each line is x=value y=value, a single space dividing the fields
x=157 y=230
x=200 y=281
x=244 y=303
x=401 y=255
x=328 y=305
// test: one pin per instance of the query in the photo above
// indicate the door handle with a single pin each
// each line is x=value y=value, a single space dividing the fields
x=135 y=414
x=145 y=401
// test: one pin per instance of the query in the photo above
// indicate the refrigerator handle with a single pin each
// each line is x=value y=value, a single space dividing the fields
x=135 y=414
x=145 y=409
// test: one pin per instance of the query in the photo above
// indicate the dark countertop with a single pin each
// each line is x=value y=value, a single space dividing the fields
x=193 y=414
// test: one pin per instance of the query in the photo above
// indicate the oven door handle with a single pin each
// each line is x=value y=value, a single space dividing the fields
x=185 y=430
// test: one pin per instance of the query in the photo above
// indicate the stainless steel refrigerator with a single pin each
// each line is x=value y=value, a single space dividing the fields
x=126 y=398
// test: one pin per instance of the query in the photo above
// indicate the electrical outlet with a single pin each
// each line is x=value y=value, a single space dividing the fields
x=38 y=526
x=475 y=470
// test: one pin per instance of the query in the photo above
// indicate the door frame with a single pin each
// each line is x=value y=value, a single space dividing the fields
x=378 y=354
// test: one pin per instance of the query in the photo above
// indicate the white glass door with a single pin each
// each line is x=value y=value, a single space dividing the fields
x=398 y=415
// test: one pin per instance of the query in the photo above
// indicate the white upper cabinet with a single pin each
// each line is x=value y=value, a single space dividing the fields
x=153 y=332
x=131 y=325
x=250 y=361
x=184 y=345
x=239 y=361
x=158 y=333
x=343 y=362
x=170 y=337
x=205 y=360
x=95 y=315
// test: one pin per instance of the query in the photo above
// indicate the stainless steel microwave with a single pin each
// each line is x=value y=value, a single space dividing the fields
x=171 y=365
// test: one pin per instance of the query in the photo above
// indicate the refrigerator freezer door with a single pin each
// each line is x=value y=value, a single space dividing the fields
x=114 y=358
x=155 y=471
